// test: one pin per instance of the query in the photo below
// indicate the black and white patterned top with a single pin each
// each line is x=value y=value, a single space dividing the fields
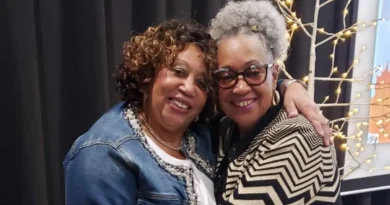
x=283 y=161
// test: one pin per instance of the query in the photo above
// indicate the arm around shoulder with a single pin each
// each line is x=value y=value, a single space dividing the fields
x=99 y=175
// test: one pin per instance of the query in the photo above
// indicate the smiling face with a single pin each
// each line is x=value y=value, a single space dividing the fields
x=243 y=103
x=178 y=94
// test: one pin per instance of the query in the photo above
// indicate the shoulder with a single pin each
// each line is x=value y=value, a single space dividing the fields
x=297 y=129
x=111 y=129
x=99 y=173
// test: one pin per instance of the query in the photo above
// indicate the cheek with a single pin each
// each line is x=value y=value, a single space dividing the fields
x=202 y=99
x=265 y=95
x=223 y=97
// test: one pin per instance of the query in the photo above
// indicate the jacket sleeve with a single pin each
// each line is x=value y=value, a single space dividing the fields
x=99 y=175
x=312 y=167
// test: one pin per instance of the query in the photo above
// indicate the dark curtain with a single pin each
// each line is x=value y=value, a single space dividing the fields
x=58 y=58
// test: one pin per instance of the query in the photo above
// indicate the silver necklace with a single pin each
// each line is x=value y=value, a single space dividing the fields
x=156 y=137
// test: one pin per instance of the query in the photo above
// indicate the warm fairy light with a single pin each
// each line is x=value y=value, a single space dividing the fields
x=357 y=153
x=305 y=79
x=348 y=33
x=326 y=98
x=355 y=142
x=345 y=12
x=344 y=147
x=294 y=26
x=294 y=14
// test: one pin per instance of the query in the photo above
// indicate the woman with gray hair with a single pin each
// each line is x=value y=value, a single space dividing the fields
x=264 y=156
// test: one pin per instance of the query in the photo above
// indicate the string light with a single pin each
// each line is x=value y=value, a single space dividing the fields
x=348 y=33
x=294 y=26
x=355 y=140
x=345 y=12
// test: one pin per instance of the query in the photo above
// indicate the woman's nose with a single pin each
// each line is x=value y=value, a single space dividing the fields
x=188 y=87
x=241 y=88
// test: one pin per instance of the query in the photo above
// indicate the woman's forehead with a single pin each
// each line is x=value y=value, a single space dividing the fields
x=242 y=49
x=192 y=57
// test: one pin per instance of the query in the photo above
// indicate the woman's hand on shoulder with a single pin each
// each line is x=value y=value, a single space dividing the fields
x=297 y=100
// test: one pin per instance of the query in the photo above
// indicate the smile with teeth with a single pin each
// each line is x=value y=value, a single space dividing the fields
x=180 y=104
x=243 y=103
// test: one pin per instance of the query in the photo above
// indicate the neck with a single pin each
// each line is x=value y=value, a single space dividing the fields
x=172 y=137
x=244 y=130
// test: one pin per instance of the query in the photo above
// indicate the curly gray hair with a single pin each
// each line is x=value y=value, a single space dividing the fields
x=253 y=17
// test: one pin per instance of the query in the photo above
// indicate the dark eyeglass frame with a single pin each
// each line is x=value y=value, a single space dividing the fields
x=243 y=75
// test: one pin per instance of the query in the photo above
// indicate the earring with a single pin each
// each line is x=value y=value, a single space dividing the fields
x=276 y=98
x=196 y=119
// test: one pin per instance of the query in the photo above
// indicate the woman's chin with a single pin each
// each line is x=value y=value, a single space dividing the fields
x=175 y=122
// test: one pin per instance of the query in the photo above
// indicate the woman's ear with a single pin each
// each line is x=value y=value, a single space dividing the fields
x=275 y=72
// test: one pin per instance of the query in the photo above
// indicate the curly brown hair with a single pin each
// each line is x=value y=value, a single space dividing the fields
x=159 y=46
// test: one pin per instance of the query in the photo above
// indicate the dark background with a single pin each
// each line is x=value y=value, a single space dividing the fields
x=58 y=58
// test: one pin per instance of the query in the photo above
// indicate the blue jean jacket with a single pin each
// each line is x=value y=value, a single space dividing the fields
x=113 y=164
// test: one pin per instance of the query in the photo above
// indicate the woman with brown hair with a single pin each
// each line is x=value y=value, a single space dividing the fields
x=154 y=147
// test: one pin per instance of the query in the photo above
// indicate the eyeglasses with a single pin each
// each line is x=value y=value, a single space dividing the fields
x=254 y=75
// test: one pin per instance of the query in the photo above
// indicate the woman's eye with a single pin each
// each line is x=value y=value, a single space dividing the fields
x=179 y=72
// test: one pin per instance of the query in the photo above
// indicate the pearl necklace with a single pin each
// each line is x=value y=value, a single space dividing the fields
x=156 y=137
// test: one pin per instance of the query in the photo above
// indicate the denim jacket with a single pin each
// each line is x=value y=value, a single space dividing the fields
x=113 y=164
